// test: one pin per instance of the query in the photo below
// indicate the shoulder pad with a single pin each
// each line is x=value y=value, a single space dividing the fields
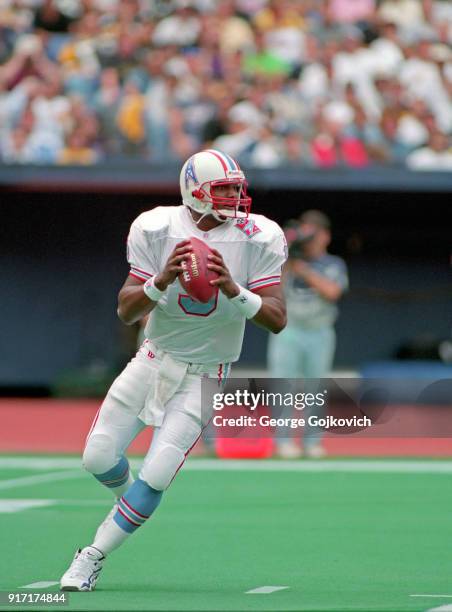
x=155 y=220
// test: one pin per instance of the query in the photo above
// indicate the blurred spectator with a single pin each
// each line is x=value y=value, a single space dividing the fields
x=351 y=11
x=408 y=14
x=334 y=145
x=13 y=147
x=130 y=119
x=239 y=140
x=263 y=61
x=235 y=33
x=31 y=143
x=180 y=29
x=436 y=155
x=313 y=282
x=218 y=122
x=422 y=80
x=296 y=150
x=329 y=150
x=181 y=145
x=106 y=104
x=48 y=16
x=28 y=59
x=387 y=51
x=384 y=145
x=320 y=82
x=279 y=15
x=282 y=24
x=268 y=151
x=77 y=149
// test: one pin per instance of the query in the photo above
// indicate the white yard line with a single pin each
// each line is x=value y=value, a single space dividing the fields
x=265 y=590
x=353 y=465
x=429 y=595
x=39 y=585
x=12 y=506
x=26 y=481
x=402 y=466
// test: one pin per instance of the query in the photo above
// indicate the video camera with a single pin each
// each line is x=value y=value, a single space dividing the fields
x=296 y=238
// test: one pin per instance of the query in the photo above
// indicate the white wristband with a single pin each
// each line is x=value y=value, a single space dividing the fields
x=151 y=290
x=247 y=302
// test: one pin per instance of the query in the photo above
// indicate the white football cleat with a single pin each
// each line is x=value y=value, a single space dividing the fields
x=106 y=520
x=84 y=570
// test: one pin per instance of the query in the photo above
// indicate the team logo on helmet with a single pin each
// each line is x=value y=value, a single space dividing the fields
x=190 y=174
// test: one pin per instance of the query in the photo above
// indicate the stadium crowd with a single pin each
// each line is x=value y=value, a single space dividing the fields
x=317 y=83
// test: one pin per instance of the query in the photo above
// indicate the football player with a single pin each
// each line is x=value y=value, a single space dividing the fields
x=184 y=341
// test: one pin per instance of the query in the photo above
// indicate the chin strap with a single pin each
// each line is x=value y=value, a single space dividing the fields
x=206 y=214
x=200 y=218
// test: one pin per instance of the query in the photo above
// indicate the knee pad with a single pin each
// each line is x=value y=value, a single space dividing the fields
x=99 y=455
x=161 y=468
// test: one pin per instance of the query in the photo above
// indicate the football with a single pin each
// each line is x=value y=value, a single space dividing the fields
x=196 y=276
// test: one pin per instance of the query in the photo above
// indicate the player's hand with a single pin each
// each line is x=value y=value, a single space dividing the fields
x=173 y=266
x=224 y=282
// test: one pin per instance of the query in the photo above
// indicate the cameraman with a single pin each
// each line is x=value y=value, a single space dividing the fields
x=314 y=281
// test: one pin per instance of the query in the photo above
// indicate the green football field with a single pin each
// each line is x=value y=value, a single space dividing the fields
x=332 y=535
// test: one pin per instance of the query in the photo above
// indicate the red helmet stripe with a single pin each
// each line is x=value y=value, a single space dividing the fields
x=225 y=168
x=233 y=164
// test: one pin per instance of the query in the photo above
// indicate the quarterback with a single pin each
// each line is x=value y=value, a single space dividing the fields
x=185 y=341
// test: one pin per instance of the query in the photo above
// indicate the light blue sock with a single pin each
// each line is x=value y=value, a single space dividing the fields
x=118 y=479
x=136 y=506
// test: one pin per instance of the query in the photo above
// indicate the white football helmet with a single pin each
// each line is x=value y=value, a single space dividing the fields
x=204 y=171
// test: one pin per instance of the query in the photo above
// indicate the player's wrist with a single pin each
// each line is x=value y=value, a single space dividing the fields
x=232 y=292
x=159 y=283
x=247 y=302
x=152 y=291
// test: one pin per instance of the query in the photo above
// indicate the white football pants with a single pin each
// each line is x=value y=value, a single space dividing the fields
x=176 y=429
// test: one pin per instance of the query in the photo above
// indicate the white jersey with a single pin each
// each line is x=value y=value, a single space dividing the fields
x=253 y=249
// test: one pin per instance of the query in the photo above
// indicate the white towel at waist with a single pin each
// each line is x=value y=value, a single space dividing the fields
x=166 y=381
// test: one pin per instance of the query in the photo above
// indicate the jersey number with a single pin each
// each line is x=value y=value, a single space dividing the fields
x=197 y=309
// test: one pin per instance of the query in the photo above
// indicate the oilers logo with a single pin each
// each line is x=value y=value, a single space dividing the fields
x=247 y=226
x=190 y=174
